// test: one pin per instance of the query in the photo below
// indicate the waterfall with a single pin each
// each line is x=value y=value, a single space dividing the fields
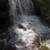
x=27 y=26
x=23 y=7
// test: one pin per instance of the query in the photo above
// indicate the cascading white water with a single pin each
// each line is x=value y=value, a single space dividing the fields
x=26 y=25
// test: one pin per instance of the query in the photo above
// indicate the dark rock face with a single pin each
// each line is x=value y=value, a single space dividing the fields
x=10 y=48
x=3 y=5
x=42 y=8
x=4 y=22
x=4 y=15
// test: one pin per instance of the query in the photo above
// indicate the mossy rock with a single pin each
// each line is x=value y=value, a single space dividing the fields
x=44 y=48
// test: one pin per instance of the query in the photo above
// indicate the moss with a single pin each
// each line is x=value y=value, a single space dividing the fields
x=44 y=48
